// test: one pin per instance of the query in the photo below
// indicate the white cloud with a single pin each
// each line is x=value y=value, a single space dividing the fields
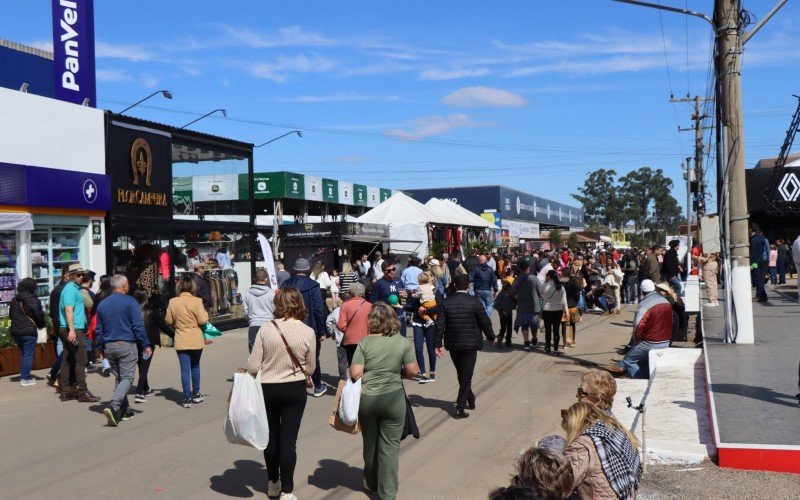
x=452 y=74
x=191 y=70
x=429 y=126
x=381 y=68
x=133 y=53
x=291 y=36
x=617 y=64
x=112 y=75
x=150 y=81
x=277 y=71
x=470 y=97
x=336 y=97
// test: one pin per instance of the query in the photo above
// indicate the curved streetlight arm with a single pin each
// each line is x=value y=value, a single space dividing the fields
x=224 y=113
x=166 y=93
x=299 y=134
x=669 y=9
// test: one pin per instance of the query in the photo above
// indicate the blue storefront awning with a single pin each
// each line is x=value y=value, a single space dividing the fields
x=26 y=185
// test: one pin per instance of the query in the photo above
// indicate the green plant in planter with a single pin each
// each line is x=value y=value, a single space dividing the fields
x=5 y=333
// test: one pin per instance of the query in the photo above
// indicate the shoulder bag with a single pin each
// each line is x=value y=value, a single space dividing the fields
x=41 y=333
x=295 y=361
x=351 y=318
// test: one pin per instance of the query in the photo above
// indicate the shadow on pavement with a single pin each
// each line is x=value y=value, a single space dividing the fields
x=751 y=391
x=418 y=401
x=246 y=477
x=170 y=394
x=334 y=474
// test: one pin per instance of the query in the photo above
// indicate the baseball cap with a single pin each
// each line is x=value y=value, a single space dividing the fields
x=647 y=286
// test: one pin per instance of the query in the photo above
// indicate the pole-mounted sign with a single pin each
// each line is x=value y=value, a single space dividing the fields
x=73 y=51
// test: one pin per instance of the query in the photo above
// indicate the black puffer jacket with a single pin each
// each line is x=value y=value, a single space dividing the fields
x=24 y=307
x=461 y=321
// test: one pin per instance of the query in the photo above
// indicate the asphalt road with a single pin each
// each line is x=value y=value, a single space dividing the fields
x=54 y=449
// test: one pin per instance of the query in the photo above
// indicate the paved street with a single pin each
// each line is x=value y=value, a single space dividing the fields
x=65 y=450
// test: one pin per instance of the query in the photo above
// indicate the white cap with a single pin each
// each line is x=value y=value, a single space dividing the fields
x=647 y=286
x=433 y=262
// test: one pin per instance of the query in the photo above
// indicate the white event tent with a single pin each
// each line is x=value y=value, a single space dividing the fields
x=408 y=222
x=459 y=213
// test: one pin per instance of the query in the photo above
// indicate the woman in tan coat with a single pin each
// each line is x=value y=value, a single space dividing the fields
x=284 y=352
x=604 y=456
x=187 y=316
x=710 y=274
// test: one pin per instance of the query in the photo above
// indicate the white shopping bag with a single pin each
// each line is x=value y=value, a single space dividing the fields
x=351 y=398
x=247 y=417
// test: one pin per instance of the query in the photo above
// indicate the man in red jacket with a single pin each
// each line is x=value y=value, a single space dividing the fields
x=652 y=329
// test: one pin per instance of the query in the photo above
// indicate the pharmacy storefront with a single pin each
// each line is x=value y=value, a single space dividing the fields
x=54 y=194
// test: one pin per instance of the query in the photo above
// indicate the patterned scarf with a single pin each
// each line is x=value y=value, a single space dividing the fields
x=619 y=459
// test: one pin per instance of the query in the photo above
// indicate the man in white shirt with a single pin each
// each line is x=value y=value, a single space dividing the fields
x=377 y=267
x=364 y=265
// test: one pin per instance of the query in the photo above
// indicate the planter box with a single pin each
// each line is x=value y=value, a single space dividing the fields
x=43 y=357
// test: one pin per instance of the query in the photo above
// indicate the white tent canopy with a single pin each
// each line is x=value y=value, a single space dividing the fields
x=456 y=211
x=407 y=219
x=402 y=209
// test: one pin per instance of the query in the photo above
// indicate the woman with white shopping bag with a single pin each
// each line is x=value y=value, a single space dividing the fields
x=381 y=361
x=284 y=352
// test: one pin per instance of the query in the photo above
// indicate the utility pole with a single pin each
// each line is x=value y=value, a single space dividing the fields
x=728 y=69
x=699 y=150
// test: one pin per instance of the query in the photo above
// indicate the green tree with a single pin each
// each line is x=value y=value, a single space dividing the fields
x=600 y=197
x=555 y=238
x=572 y=240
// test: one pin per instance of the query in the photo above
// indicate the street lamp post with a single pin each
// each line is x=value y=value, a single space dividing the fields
x=277 y=215
x=224 y=113
x=165 y=93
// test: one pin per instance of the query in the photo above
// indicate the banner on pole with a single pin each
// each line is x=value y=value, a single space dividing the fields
x=266 y=249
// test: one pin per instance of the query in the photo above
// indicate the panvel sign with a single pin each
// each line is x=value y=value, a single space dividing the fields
x=73 y=51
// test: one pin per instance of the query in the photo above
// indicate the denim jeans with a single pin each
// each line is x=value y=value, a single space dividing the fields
x=636 y=363
x=190 y=371
x=26 y=344
x=487 y=300
x=603 y=303
x=401 y=317
x=425 y=337
x=758 y=280
x=675 y=283
x=773 y=275
x=59 y=348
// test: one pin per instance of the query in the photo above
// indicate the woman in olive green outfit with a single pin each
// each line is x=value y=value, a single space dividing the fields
x=382 y=411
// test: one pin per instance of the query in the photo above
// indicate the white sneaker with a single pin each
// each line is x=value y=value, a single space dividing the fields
x=274 y=489
x=288 y=496
x=27 y=382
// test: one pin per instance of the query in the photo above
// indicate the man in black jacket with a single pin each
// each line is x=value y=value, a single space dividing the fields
x=671 y=267
x=458 y=328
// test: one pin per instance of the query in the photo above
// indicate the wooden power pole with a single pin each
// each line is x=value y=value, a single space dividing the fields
x=728 y=60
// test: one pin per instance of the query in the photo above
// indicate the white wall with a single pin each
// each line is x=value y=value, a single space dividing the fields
x=45 y=132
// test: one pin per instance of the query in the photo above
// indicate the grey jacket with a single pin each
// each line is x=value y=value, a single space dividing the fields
x=258 y=305
x=525 y=290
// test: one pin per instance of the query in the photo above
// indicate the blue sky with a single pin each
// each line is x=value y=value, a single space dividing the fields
x=530 y=94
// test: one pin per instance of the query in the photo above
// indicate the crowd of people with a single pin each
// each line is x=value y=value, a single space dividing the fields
x=366 y=308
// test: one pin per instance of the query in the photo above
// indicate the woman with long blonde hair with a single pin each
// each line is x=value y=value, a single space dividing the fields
x=604 y=454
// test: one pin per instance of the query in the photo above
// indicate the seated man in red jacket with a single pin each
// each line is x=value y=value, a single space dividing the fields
x=652 y=329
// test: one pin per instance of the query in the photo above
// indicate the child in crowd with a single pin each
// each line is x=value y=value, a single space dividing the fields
x=505 y=306
x=546 y=474
x=427 y=296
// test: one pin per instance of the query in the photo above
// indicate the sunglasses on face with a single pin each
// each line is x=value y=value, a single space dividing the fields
x=584 y=394
x=390 y=270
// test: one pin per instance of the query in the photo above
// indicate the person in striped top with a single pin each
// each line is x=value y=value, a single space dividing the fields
x=347 y=277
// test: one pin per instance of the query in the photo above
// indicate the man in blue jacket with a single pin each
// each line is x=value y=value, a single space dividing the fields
x=119 y=330
x=484 y=284
x=312 y=297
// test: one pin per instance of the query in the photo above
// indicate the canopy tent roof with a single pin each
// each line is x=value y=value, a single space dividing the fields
x=401 y=209
x=457 y=212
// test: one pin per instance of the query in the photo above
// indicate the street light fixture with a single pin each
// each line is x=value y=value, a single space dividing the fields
x=165 y=93
x=224 y=113
x=299 y=134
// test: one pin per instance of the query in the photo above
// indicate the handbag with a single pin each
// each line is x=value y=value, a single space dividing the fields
x=410 y=425
x=295 y=361
x=41 y=333
x=335 y=420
